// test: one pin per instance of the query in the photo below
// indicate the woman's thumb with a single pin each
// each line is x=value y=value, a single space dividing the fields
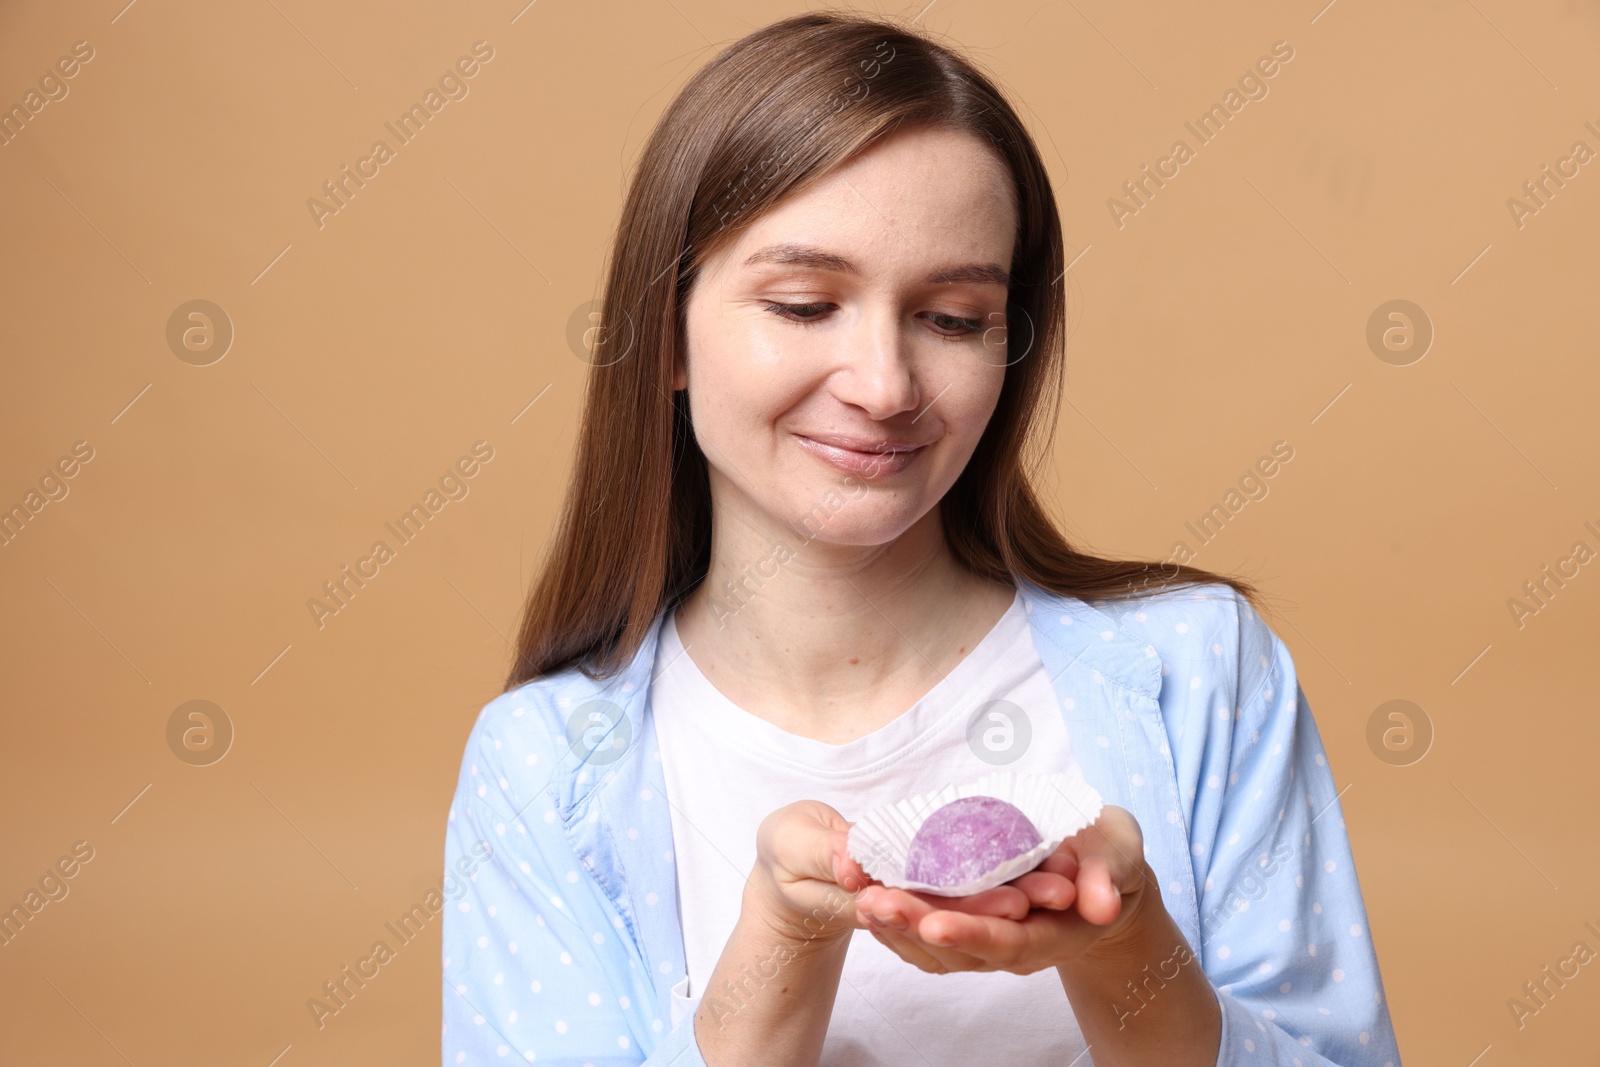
x=847 y=873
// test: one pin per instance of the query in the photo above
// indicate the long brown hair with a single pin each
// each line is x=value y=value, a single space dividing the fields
x=775 y=110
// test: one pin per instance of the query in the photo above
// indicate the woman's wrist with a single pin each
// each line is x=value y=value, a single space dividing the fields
x=793 y=931
x=830 y=919
x=1141 y=997
x=740 y=1020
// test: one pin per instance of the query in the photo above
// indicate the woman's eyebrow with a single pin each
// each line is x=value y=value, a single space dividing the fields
x=800 y=255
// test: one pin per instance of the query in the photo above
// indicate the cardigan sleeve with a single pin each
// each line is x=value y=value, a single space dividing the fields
x=1284 y=934
x=537 y=961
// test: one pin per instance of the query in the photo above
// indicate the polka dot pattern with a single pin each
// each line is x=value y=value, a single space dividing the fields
x=551 y=954
x=536 y=955
x=1282 y=921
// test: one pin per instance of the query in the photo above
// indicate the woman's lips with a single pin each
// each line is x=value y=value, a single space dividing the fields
x=865 y=464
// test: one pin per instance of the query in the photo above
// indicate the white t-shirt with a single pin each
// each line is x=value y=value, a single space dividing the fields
x=727 y=769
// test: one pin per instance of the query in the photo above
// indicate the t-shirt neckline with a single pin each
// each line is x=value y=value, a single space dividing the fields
x=723 y=723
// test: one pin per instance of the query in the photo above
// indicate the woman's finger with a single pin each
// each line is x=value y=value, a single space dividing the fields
x=847 y=873
x=908 y=950
x=1002 y=902
x=1107 y=867
x=1063 y=861
x=804 y=877
x=900 y=908
x=974 y=935
x=1046 y=890
x=1043 y=939
x=1099 y=899
x=804 y=840
x=931 y=958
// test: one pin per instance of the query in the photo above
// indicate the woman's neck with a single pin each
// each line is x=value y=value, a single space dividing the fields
x=831 y=641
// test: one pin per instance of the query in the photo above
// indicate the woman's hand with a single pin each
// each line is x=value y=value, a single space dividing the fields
x=1099 y=874
x=803 y=876
x=795 y=920
x=804 y=883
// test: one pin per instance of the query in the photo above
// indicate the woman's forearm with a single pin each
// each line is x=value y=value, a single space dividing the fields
x=771 y=994
x=1147 y=1003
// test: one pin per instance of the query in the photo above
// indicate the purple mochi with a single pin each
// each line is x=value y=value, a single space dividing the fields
x=966 y=839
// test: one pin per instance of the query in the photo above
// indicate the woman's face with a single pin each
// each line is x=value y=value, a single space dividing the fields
x=850 y=344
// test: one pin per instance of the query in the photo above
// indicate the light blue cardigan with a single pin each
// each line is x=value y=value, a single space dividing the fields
x=564 y=944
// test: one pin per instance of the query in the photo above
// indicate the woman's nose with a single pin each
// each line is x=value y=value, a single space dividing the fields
x=879 y=373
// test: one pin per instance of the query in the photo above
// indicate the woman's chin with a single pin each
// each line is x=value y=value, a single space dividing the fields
x=857 y=524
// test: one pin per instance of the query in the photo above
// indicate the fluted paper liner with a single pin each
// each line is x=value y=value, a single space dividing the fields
x=1058 y=805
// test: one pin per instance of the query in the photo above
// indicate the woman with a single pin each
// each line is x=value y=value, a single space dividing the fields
x=800 y=572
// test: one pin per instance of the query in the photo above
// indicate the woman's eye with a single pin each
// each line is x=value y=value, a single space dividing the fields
x=955 y=325
x=803 y=314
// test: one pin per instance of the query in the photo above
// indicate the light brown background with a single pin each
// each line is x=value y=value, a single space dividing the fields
x=425 y=316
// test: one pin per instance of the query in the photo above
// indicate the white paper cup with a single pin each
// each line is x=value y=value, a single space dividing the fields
x=1058 y=805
